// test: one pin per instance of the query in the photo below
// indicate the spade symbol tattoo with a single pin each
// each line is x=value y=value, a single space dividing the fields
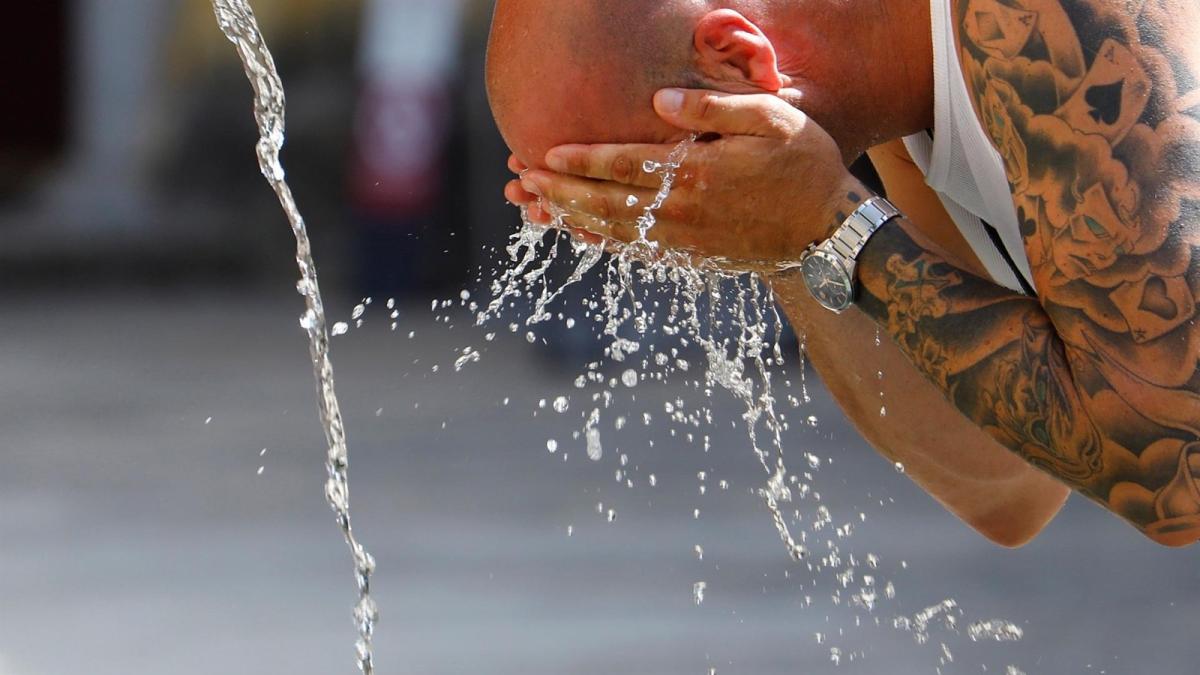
x=1105 y=102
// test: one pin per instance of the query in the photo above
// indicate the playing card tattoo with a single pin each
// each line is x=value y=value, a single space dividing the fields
x=1113 y=95
x=1154 y=306
x=998 y=30
x=1097 y=379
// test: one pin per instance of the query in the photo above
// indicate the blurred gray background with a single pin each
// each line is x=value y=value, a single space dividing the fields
x=150 y=352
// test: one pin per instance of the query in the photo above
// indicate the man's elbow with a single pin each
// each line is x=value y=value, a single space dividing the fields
x=1019 y=522
x=1010 y=534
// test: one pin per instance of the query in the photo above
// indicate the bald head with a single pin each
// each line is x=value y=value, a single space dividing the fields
x=585 y=71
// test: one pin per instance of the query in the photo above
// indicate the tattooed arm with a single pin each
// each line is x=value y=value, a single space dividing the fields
x=1094 y=107
x=947 y=455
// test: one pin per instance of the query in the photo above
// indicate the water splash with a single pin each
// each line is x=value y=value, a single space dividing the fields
x=238 y=23
x=739 y=362
x=654 y=305
x=997 y=630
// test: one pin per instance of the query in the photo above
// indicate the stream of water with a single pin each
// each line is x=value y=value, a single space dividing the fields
x=238 y=23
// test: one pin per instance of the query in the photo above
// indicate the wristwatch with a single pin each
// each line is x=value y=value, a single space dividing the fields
x=828 y=267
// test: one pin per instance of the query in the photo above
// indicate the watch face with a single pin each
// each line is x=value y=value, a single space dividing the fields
x=827 y=280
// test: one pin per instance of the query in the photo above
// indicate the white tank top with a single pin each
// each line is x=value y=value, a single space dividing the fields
x=966 y=171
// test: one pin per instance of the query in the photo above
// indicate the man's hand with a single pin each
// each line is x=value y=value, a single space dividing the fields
x=763 y=183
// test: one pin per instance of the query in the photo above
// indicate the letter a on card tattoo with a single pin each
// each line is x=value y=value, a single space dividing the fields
x=998 y=30
x=1112 y=96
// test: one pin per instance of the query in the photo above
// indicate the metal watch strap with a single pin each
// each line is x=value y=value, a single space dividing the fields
x=849 y=239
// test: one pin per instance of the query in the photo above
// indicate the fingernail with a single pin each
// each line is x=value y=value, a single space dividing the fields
x=556 y=162
x=531 y=187
x=669 y=100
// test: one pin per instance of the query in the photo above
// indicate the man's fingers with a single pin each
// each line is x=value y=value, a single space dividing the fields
x=603 y=230
x=706 y=111
x=603 y=200
x=515 y=165
x=538 y=215
x=624 y=164
x=517 y=195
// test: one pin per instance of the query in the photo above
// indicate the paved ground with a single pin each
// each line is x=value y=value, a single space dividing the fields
x=138 y=537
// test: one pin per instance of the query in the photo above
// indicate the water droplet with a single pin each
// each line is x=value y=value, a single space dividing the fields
x=261 y=469
x=653 y=480
x=340 y=328
x=899 y=466
x=699 y=551
x=611 y=515
x=358 y=311
x=995 y=629
x=595 y=451
x=698 y=590
x=629 y=378
x=552 y=446
x=562 y=404
x=650 y=166
x=570 y=530
x=470 y=355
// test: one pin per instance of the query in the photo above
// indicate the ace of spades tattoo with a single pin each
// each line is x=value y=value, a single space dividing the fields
x=1112 y=96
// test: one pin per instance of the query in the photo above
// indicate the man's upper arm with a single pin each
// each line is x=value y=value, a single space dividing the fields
x=906 y=188
x=1094 y=105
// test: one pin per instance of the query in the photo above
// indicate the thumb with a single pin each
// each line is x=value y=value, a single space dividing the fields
x=728 y=114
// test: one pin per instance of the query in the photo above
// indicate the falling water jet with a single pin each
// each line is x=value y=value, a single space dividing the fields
x=238 y=23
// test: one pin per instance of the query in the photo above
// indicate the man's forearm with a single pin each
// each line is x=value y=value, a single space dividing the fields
x=996 y=356
x=950 y=457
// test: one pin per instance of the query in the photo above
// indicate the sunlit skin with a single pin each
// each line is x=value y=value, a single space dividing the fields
x=1093 y=382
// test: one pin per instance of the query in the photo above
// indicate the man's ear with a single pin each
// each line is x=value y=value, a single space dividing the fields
x=731 y=49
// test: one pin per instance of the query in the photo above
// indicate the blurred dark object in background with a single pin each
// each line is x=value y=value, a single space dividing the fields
x=33 y=122
x=406 y=141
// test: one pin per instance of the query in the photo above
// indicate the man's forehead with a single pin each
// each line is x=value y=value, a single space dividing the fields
x=567 y=116
x=563 y=104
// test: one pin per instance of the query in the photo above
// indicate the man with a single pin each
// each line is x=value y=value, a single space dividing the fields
x=1042 y=316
